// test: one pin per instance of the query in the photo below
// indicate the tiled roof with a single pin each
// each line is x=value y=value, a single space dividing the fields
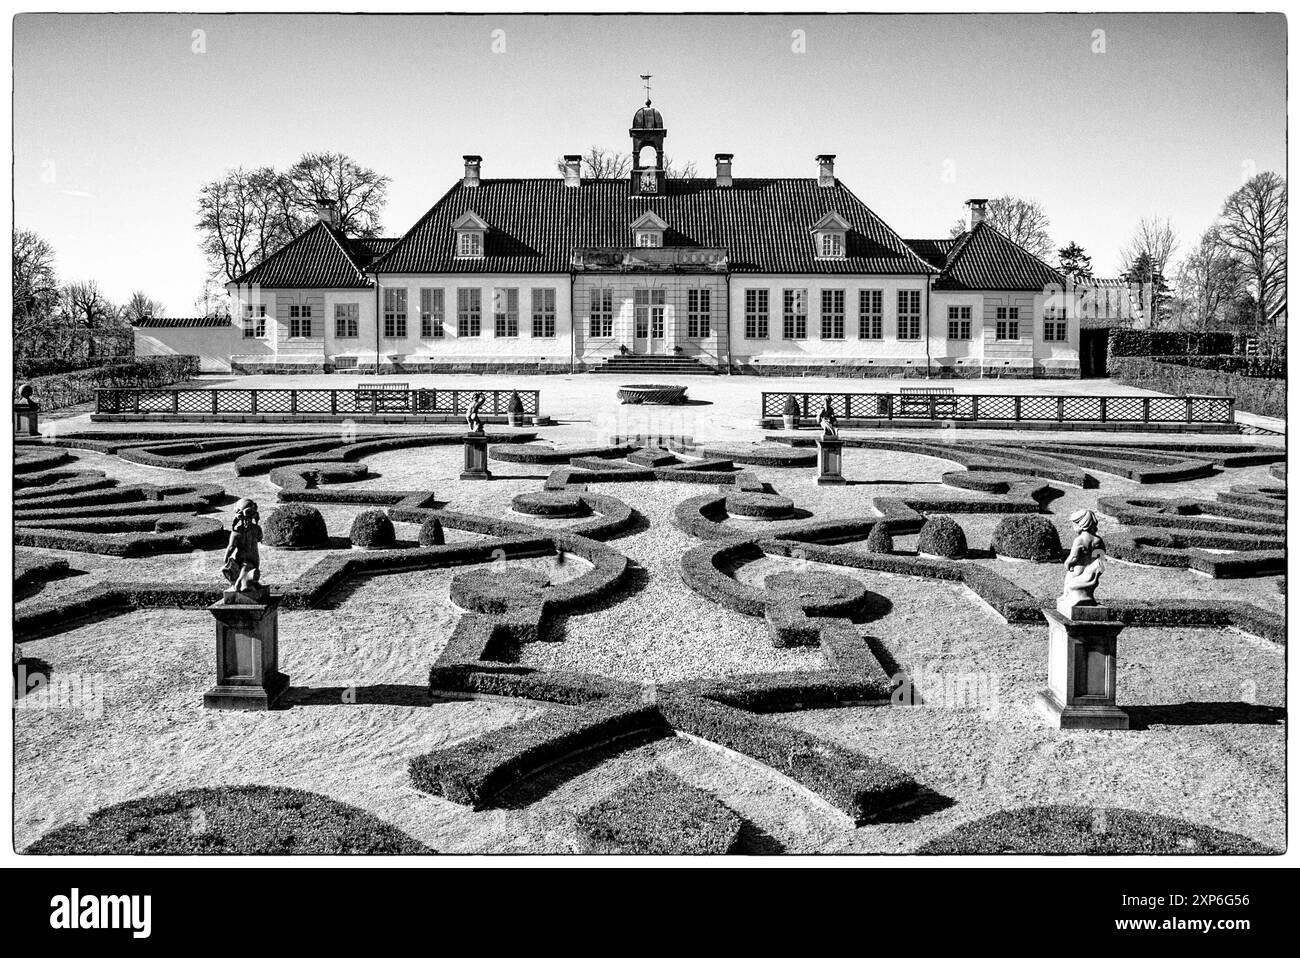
x=765 y=225
x=983 y=258
x=181 y=322
x=933 y=251
x=320 y=258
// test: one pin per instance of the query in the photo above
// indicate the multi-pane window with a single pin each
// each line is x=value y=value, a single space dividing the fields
x=648 y=310
x=299 y=320
x=959 y=322
x=649 y=238
x=505 y=313
x=1055 y=329
x=871 y=314
x=832 y=245
x=756 y=315
x=470 y=245
x=602 y=313
x=698 y=306
x=433 y=311
x=1008 y=322
x=254 y=320
x=469 y=312
x=544 y=313
x=909 y=314
x=832 y=314
x=395 y=313
x=794 y=315
x=347 y=320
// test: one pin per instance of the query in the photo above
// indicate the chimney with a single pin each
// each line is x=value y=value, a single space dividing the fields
x=978 y=208
x=472 y=165
x=572 y=169
x=724 y=168
x=327 y=210
x=826 y=169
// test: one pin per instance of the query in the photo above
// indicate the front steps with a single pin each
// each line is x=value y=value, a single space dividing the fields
x=633 y=365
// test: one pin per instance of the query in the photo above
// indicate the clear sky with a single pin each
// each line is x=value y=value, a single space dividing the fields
x=117 y=122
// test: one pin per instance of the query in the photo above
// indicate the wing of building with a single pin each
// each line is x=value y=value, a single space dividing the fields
x=767 y=275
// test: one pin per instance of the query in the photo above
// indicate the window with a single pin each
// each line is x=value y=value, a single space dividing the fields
x=347 y=320
x=469 y=312
x=602 y=313
x=832 y=314
x=544 y=313
x=794 y=321
x=469 y=245
x=648 y=313
x=909 y=314
x=254 y=320
x=756 y=313
x=1055 y=328
x=649 y=238
x=433 y=312
x=394 y=314
x=871 y=310
x=1008 y=322
x=959 y=322
x=831 y=246
x=505 y=312
x=299 y=320
x=698 y=302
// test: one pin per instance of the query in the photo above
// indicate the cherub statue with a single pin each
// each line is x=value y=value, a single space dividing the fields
x=826 y=419
x=1084 y=564
x=472 y=421
x=242 y=568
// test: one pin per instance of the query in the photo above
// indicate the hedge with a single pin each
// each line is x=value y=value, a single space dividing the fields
x=372 y=529
x=74 y=388
x=1162 y=342
x=942 y=537
x=431 y=533
x=229 y=820
x=1087 y=830
x=658 y=814
x=295 y=526
x=1027 y=537
x=1264 y=397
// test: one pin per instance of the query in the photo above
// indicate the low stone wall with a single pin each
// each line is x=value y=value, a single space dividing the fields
x=1265 y=397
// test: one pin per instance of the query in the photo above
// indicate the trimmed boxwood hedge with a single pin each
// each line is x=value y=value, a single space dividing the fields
x=1030 y=537
x=879 y=539
x=1084 y=830
x=942 y=537
x=431 y=533
x=373 y=529
x=230 y=820
x=658 y=814
x=295 y=526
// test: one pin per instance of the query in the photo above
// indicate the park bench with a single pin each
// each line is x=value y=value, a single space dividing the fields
x=918 y=400
x=384 y=397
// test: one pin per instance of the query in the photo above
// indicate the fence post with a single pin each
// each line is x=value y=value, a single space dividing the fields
x=334 y=402
x=1060 y=409
x=1103 y=408
x=176 y=402
x=214 y=402
x=975 y=407
x=1146 y=409
x=293 y=402
x=252 y=402
x=932 y=407
x=1190 y=401
x=1016 y=405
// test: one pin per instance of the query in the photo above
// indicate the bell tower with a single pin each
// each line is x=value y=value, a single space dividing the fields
x=648 y=178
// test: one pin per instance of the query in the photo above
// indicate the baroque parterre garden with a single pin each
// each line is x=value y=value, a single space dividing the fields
x=668 y=643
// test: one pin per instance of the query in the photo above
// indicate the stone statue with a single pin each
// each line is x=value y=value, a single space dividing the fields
x=1084 y=564
x=243 y=564
x=472 y=421
x=826 y=419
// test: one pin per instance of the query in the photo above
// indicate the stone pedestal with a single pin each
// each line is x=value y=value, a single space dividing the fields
x=27 y=417
x=476 y=458
x=830 y=462
x=248 y=646
x=1080 y=691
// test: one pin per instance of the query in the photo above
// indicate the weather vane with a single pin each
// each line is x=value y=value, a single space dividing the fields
x=646 y=77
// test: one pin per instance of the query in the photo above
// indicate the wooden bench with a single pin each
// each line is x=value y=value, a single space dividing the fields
x=385 y=397
x=915 y=400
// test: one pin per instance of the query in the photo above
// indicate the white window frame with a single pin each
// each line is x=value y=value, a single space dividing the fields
x=794 y=314
x=833 y=313
x=1007 y=324
x=871 y=314
x=699 y=313
x=505 y=312
x=909 y=315
x=758 y=314
x=469 y=244
x=433 y=312
x=600 y=320
x=254 y=320
x=959 y=318
x=543 y=303
x=298 y=314
x=469 y=311
x=395 y=312
x=349 y=314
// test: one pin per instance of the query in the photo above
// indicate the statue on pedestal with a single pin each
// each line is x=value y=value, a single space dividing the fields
x=472 y=421
x=826 y=419
x=1084 y=564
x=242 y=567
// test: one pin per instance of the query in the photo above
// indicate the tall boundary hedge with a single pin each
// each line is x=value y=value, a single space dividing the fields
x=1265 y=397
x=75 y=388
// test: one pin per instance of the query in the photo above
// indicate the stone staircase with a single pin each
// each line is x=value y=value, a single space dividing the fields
x=633 y=365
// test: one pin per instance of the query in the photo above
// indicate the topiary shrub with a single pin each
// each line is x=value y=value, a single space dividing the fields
x=879 y=539
x=1027 y=536
x=373 y=529
x=941 y=536
x=431 y=533
x=295 y=526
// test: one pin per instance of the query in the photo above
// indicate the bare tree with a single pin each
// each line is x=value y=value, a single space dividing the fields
x=1023 y=221
x=212 y=301
x=1211 y=281
x=602 y=163
x=88 y=313
x=359 y=193
x=140 y=306
x=35 y=288
x=242 y=220
x=1253 y=226
x=1153 y=238
x=687 y=171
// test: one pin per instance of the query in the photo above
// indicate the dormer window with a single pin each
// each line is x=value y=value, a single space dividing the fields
x=470 y=231
x=829 y=236
x=648 y=230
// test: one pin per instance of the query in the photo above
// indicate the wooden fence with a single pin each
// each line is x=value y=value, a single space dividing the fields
x=313 y=403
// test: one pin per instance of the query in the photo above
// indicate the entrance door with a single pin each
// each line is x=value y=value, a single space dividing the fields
x=1093 y=347
x=648 y=316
